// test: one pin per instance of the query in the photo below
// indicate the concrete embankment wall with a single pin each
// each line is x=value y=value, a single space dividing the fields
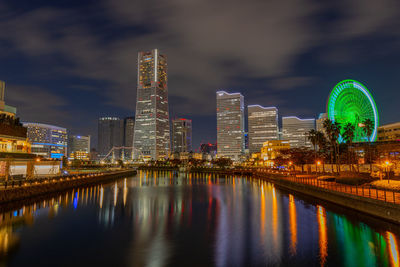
x=34 y=190
x=377 y=208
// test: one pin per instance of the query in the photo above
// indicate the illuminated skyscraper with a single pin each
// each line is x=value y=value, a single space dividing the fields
x=47 y=140
x=263 y=126
x=110 y=134
x=182 y=135
x=151 y=135
x=295 y=130
x=129 y=126
x=78 y=147
x=230 y=125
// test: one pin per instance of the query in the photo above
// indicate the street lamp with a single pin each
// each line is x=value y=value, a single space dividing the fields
x=290 y=165
x=318 y=164
x=387 y=164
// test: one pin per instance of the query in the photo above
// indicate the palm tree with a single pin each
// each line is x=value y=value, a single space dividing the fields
x=368 y=129
x=322 y=144
x=333 y=132
x=336 y=133
x=328 y=129
x=348 y=136
x=312 y=137
x=321 y=140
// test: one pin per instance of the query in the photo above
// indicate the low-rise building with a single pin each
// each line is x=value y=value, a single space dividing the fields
x=16 y=159
x=271 y=149
x=389 y=132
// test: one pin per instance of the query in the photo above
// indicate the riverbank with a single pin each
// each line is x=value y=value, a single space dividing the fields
x=36 y=189
x=378 y=208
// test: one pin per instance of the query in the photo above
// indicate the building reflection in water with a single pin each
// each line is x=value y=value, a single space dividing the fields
x=293 y=225
x=323 y=234
x=393 y=249
x=125 y=191
x=243 y=221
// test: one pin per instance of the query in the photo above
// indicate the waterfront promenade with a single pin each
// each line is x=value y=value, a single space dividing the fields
x=367 y=191
x=20 y=190
x=384 y=204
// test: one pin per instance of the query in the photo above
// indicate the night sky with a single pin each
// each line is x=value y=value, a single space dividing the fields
x=69 y=62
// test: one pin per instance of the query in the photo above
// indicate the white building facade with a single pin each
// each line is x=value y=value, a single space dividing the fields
x=263 y=126
x=295 y=130
x=230 y=125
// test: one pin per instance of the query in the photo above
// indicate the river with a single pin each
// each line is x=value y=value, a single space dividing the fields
x=172 y=219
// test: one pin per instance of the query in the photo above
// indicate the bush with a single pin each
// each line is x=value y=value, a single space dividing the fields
x=328 y=178
x=385 y=184
x=353 y=180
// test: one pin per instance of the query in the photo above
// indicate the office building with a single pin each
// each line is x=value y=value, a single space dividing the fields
x=110 y=137
x=79 y=147
x=263 y=126
x=181 y=135
x=389 y=132
x=295 y=130
x=129 y=127
x=5 y=109
x=230 y=125
x=46 y=140
x=320 y=122
x=152 y=133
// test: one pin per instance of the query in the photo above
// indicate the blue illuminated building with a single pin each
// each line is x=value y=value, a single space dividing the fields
x=48 y=141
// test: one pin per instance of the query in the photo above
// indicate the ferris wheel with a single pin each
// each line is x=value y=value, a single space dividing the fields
x=351 y=102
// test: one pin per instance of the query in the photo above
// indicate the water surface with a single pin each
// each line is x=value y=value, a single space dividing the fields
x=170 y=219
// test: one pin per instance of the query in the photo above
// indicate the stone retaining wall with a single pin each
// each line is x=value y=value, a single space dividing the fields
x=377 y=208
x=25 y=192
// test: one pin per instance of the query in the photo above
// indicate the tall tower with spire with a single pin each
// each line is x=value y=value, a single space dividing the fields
x=152 y=134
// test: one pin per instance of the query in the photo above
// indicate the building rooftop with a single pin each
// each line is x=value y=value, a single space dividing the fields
x=43 y=125
x=390 y=125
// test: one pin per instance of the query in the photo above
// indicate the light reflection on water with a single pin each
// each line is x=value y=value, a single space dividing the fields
x=166 y=218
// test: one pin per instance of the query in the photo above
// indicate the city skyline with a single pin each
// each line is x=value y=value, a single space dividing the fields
x=89 y=73
x=199 y=133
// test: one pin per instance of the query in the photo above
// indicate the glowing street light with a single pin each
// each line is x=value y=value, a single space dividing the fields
x=387 y=164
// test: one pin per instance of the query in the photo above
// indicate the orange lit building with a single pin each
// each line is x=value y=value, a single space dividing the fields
x=272 y=148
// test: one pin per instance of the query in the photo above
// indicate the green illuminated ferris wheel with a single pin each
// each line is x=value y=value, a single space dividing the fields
x=351 y=102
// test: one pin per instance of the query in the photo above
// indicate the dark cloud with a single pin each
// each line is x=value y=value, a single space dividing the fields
x=210 y=45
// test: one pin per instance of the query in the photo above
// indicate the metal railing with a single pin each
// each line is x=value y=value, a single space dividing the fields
x=367 y=191
x=49 y=180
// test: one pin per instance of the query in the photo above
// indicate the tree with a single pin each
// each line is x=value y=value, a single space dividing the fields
x=333 y=132
x=321 y=141
x=223 y=162
x=312 y=137
x=298 y=156
x=348 y=136
x=76 y=163
x=120 y=163
x=64 y=162
x=368 y=129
